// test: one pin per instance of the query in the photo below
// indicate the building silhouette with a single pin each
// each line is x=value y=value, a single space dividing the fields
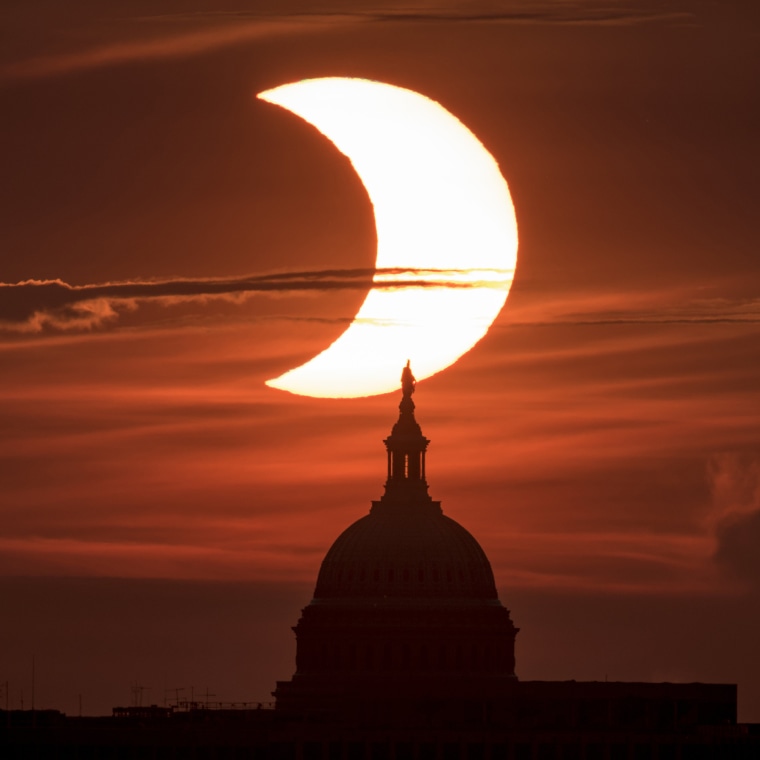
x=405 y=605
x=406 y=653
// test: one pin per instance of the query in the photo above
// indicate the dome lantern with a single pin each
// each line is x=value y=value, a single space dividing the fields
x=406 y=448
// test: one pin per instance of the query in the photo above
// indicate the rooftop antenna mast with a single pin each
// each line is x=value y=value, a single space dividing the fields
x=176 y=690
x=207 y=694
x=138 y=690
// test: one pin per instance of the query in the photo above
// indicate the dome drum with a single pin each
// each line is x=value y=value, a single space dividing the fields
x=383 y=641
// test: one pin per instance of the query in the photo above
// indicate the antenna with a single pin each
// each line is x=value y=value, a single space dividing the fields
x=207 y=694
x=137 y=690
x=176 y=690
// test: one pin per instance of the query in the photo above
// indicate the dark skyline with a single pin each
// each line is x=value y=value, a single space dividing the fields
x=601 y=442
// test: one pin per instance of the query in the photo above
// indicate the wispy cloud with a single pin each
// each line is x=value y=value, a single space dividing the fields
x=585 y=14
x=167 y=37
x=37 y=306
x=735 y=486
x=175 y=44
x=33 y=305
x=697 y=311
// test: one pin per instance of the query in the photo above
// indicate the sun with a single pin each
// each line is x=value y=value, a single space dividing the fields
x=444 y=217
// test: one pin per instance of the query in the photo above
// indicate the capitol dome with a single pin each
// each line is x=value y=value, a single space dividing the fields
x=405 y=609
x=413 y=551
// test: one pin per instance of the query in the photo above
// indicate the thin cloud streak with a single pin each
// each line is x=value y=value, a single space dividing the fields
x=237 y=549
x=676 y=306
x=550 y=14
x=32 y=305
x=35 y=306
x=171 y=46
x=253 y=27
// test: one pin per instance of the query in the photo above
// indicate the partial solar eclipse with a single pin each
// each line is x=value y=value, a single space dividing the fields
x=443 y=213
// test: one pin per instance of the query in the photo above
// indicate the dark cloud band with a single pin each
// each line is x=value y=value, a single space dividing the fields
x=34 y=304
x=37 y=305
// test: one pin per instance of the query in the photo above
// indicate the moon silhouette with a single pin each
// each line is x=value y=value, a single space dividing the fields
x=444 y=218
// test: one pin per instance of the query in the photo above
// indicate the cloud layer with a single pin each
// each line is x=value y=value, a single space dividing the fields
x=182 y=35
x=33 y=305
x=735 y=485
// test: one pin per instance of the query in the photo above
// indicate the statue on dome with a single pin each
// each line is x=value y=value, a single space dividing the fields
x=407 y=381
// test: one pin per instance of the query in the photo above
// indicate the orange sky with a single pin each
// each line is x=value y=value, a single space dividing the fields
x=601 y=442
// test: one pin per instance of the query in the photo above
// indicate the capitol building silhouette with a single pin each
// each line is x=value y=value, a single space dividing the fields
x=406 y=652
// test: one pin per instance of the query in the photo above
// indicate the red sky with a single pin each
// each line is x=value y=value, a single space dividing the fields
x=163 y=513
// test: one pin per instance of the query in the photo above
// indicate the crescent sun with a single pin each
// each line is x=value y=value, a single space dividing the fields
x=444 y=218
